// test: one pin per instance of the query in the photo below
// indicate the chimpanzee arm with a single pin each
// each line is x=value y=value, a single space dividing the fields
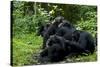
x=44 y=52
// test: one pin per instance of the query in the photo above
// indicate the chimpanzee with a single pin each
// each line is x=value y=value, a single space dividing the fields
x=55 y=50
x=53 y=53
x=85 y=40
x=52 y=29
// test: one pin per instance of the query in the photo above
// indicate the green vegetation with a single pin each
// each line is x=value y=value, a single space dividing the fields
x=28 y=16
x=79 y=58
x=25 y=48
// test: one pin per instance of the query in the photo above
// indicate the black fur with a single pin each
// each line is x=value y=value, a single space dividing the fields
x=52 y=29
x=61 y=39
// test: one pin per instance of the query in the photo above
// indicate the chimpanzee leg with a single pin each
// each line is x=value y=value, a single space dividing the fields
x=76 y=45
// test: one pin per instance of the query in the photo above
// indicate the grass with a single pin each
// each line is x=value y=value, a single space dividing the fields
x=27 y=46
x=83 y=58
x=24 y=48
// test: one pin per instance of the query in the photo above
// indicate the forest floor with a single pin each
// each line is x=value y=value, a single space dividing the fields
x=26 y=47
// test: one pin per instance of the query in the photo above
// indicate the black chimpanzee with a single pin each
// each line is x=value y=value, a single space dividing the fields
x=52 y=29
x=53 y=53
x=85 y=40
x=55 y=50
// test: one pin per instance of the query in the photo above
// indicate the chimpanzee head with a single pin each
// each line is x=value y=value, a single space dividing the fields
x=66 y=23
x=58 y=20
x=54 y=39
